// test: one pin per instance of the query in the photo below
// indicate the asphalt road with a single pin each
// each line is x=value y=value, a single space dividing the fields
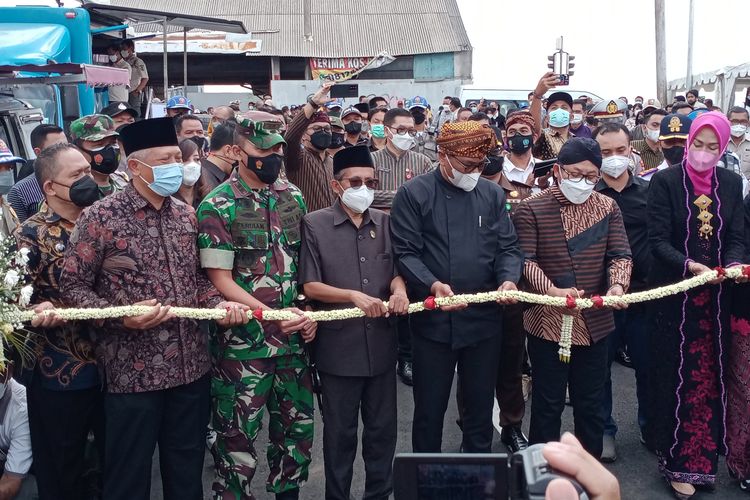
x=635 y=467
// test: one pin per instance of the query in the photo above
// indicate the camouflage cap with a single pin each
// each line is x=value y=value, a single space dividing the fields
x=92 y=128
x=261 y=128
x=336 y=122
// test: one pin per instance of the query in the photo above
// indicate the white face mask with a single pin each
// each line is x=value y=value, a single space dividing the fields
x=358 y=199
x=467 y=182
x=191 y=172
x=576 y=192
x=739 y=130
x=652 y=135
x=615 y=166
x=113 y=58
x=403 y=142
x=125 y=54
x=577 y=118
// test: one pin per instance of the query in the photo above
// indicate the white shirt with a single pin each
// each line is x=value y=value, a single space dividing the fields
x=516 y=174
x=15 y=438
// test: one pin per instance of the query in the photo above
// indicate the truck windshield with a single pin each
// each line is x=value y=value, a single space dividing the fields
x=39 y=96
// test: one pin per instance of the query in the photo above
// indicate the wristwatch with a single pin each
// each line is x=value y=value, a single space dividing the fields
x=312 y=103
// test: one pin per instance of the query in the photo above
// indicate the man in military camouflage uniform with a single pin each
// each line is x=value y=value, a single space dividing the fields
x=96 y=138
x=249 y=236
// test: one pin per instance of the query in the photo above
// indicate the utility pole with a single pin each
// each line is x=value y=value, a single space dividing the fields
x=661 y=51
x=689 y=77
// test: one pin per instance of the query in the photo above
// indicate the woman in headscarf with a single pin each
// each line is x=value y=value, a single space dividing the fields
x=696 y=224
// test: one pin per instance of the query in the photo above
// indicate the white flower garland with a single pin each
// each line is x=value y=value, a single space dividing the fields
x=17 y=316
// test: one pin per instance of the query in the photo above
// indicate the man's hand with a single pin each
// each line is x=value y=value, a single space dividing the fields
x=49 y=320
x=236 y=314
x=373 y=308
x=508 y=286
x=294 y=325
x=569 y=457
x=698 y=269
x=548 y=82
x=617 y=291
x=321 y=97
x=742 y=278
x=398 y=303
x=309 y=331
x=564 y=292
x=158 y=315
x=440 y=290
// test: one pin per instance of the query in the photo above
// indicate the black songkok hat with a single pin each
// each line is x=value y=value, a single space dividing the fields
x=579 y=149
x=355 y=156
x=146 y=134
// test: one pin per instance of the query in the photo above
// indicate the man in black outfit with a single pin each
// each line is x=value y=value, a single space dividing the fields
x=452 y=234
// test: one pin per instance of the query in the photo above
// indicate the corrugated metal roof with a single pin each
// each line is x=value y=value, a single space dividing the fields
x=353 y=28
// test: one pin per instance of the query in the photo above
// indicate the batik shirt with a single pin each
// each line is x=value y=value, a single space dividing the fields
x=64 y=355
x=123 y=250
x=255 y=233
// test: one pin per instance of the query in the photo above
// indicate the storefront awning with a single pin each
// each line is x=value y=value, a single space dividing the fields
x=65 y=74
x=29 y=43
x=185 y=21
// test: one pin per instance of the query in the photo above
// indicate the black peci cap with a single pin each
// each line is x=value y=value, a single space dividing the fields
x=579 y=149
x=147 y=134
x=355 y=156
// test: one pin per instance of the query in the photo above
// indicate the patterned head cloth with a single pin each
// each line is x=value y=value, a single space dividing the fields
x=520 y=117
x=466 y=139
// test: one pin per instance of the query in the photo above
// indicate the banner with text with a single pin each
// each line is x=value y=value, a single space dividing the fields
x=339 y=69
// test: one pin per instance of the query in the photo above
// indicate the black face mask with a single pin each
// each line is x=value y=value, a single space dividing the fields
x=337 y=140
x=674 y=155
x=106 y=160
x=201 y=142
x=84 y=192
x=353 y=128
x=321 y=140
x=494 y=166
x=266 y=168
x=519 y=144
x=419 y=117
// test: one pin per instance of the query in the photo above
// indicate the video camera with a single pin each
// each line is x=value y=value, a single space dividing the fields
x=459 y=476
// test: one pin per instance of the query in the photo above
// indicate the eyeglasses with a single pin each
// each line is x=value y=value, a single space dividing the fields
x=356 y=182
x=324 y=128
x=472 y=168
x=404 y=130
x=591 y=180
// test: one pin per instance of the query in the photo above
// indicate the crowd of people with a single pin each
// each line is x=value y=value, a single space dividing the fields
x=325 y=205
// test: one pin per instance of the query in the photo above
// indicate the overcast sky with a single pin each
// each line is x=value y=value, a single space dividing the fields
x=613 y=41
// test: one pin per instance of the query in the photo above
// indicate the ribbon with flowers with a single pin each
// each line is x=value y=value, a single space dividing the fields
x=16 y=316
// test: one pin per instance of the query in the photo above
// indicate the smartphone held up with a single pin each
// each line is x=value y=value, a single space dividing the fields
x=561 y=63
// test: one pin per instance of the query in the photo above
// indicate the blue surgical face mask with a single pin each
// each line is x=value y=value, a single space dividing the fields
x=559 y=118
x=167 y=178
x=6 y=181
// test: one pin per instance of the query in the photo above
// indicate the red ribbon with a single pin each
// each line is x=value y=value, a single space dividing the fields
x=598 y=301
x=746 y=271
x=570 y=302
x=720 y=272
x=258 y=314
x=429 y=303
